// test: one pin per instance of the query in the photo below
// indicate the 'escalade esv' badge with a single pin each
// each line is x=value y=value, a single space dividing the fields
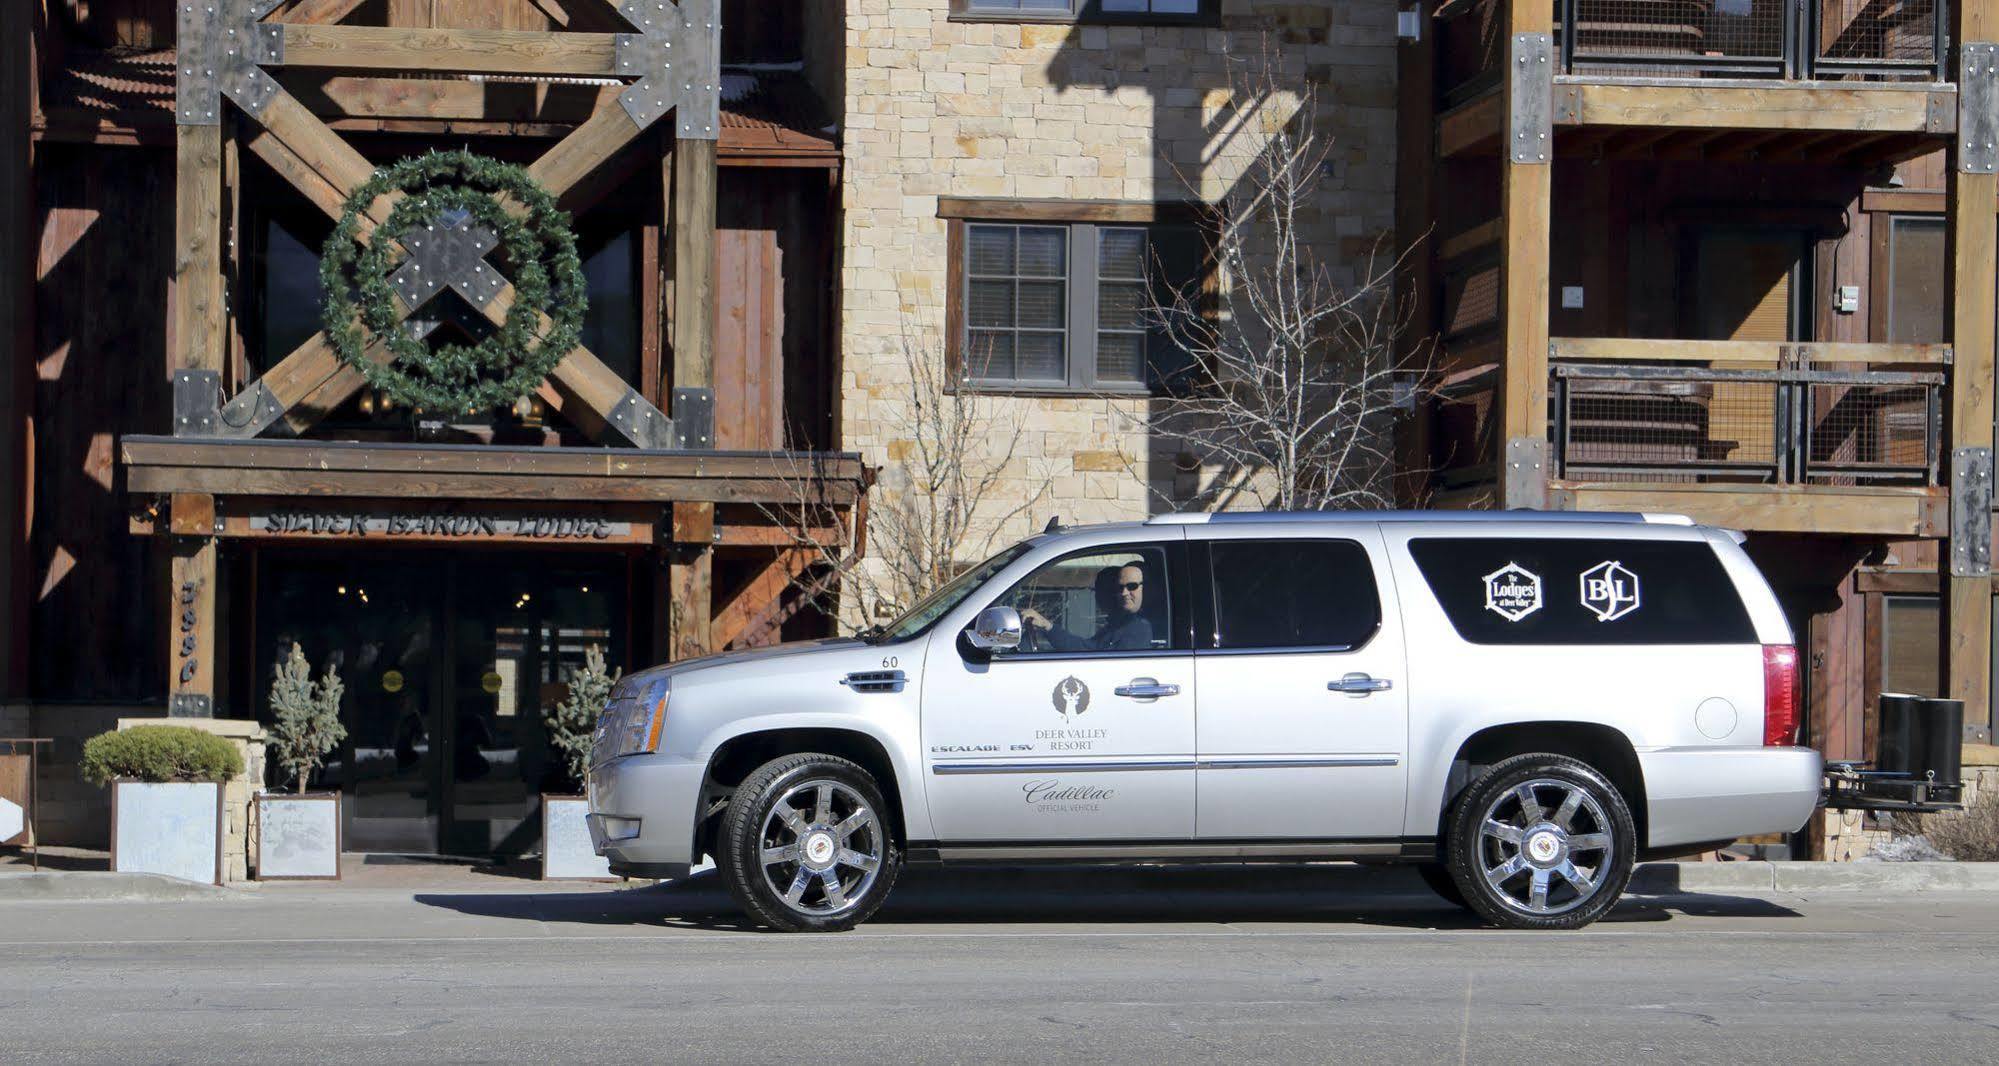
x=1513 y=592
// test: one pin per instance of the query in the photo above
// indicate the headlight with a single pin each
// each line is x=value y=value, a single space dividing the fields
x=640 y=721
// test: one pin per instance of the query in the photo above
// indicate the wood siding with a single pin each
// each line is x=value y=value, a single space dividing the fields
x=771 y=290
x=104 y=231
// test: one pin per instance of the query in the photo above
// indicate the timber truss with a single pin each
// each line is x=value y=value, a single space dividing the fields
x=671 y=59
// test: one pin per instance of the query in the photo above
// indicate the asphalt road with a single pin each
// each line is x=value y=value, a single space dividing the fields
x=1244 y=963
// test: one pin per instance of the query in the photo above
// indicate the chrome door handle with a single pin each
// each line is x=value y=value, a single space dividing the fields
x=1360 y=684
x=1146 y=688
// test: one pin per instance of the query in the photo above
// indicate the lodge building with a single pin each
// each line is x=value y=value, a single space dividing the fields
x=1728 y=260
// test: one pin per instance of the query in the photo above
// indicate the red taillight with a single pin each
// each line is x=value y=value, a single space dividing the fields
x=1780 y=695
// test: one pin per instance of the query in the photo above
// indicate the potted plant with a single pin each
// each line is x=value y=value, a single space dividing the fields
x=166 y=797
x=566 y=852
x=298 y=835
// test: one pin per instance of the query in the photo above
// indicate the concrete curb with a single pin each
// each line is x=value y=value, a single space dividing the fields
x=1675 y=878
x=93 y=886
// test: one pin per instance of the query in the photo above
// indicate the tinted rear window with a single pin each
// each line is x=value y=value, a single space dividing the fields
x=1521 y=590
x=1293 y=594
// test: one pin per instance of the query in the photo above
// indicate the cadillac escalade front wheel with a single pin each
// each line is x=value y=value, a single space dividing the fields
x=806 y=845
x=1541 y=842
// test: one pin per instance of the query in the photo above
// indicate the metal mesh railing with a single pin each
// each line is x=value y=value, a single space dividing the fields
x=1841 y=39
x=1868 y=433
x=1675 y=424
x=1875 y=39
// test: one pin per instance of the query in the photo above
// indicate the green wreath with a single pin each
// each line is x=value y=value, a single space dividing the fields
x=540 y=250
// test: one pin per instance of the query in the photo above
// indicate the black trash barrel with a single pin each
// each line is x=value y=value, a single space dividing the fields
x=1922 y=737
x=1896 y=750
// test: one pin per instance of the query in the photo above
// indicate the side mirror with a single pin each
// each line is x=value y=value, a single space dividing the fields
x=996 y=629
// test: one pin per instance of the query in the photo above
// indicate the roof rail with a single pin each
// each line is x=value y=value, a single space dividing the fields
x=1474 y=517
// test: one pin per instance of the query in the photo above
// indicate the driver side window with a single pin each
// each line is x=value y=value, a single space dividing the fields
x=1100 y=600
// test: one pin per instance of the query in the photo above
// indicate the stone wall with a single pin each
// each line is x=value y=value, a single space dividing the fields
x=941 y=108
x=73 y=812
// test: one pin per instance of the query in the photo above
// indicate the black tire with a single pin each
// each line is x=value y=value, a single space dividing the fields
x=1599 y=824
x=752 y=823
x=1438 y=877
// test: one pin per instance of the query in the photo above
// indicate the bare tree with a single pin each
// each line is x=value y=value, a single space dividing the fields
x=941 y=502
x=1292 y=381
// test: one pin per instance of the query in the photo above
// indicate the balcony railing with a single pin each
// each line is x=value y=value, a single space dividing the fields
x=1626 y=423
x=1867 y=40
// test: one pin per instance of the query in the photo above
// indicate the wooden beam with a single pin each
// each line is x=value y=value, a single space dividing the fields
x=199 y=331
x=1483 y=235
x=318 y=12
x=191 y=628
x=1912 y=512
x=759 y=597
x=223 y=481
x=1973 y=202
x=1631 y=349
x=451 y=50
x=419 y=460
x=1473 y=125
x=694 y=265
x=1524 y=203
x=355 y=96
x=691 y=584
x=1754 y=105
x=574 y=158
x=312 y=381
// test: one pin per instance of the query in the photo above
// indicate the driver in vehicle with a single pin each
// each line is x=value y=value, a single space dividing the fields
x=1121 y=593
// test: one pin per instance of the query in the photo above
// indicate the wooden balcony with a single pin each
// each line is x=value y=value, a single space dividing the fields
x=1830 y=438
x=1829 y=67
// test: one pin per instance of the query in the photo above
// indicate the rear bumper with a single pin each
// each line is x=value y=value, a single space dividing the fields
x=1702 y=794
x=643 y=810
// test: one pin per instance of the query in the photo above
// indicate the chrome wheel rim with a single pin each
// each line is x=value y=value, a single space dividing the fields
x=821 y=848
x=1544 y=847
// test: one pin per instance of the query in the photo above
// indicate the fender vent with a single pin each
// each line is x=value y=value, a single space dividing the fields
x=874 y=681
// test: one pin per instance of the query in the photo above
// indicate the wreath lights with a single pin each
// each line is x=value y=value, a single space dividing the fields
x=539 y=248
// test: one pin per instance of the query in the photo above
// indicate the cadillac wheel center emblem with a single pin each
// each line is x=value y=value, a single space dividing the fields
x=1071 y=697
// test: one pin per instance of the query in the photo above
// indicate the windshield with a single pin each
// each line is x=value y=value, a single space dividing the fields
x=950 y=595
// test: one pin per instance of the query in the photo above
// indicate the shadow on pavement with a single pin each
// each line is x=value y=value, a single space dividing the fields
x=1335 y=895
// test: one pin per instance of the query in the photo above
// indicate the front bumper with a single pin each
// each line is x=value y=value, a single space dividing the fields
x=1694 y=795
x=643 y=810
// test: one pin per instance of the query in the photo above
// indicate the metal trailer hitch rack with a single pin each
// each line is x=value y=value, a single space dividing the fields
x=1850 y=788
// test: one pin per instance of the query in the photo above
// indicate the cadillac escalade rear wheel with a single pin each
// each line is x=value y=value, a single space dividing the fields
x=806 y=845
x=1541 y=842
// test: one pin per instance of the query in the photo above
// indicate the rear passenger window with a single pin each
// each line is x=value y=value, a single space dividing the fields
x=1293 y=594
x=1523 y=590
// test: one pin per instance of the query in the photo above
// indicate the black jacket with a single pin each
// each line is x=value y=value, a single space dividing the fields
x=1130 y=633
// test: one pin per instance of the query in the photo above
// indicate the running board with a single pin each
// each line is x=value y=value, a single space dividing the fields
x=1217 y=851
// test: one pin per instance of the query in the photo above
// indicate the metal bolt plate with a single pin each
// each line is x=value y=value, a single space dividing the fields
x=1530 y=131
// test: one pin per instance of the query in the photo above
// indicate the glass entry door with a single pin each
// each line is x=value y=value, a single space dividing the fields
x=448 y=662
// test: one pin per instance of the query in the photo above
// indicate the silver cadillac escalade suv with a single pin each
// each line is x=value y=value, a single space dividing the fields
x=1522 y=704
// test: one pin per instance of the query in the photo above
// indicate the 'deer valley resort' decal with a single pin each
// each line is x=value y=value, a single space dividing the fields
x=1071 y=697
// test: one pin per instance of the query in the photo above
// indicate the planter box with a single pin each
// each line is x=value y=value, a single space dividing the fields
x=172 y=828
x=298 y=836
x=566 y=853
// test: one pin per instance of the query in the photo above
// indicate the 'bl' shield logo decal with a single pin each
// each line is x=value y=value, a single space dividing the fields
x=1609 y=591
